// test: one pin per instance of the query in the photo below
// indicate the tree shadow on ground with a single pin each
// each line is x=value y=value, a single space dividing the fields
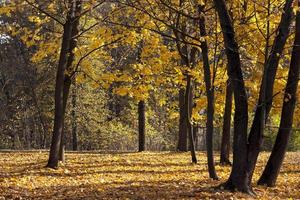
x=131 y=190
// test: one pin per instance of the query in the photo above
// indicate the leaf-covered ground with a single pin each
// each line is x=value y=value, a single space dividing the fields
x=146 y=175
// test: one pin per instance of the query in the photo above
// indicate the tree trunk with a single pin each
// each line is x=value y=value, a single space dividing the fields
x=60 y=88
x=195 y=134
x=142 y=122
x=182 y=139
x=225 y=144
x=67 y=85
x=69 y=70
x=210 y=109
x=74 y=118
x=59 y=93
x=188 y=98
x=255 y=138
x=272 y=168
x=238 y=179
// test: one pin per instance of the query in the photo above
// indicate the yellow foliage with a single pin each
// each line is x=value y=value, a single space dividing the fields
x=122 y=91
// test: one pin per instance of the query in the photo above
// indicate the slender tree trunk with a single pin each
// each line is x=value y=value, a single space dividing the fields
x=188 y=110
x=63 y=82
x=195 y=134
x=59 y=93
x=210 y=109
x=188 y=57
x=182 y=139
x=273 y=166
x=142 y=123
x=225 y=144
x=255 y=138
x=67 y=85
x=74 y=117
x=238 y=179
x=68 y=79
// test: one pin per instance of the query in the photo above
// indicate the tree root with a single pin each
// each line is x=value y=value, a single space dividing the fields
x=233 y=188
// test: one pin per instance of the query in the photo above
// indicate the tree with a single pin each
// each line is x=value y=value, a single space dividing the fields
x=69 y=72
x=255 y=138
x=210 y=94
x=63 y=82
x=225 y=143
x=182 y=136
x=271 y=64
x=238 y=178
x=271 y=171
x=142 y=123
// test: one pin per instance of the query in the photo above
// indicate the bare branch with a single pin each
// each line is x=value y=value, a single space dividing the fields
x=92 y=51
x=44 y=12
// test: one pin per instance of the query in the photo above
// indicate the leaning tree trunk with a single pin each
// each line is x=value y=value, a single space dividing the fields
x=188 y=110
x=182 y=136
x=142 y=123
x=272 y=168
x=62 y=81
x=255 y=138
x=210 y=109
x=225 y=143
x=68 y=77
x=59 y=94
x=67 y=85
x=238 y=179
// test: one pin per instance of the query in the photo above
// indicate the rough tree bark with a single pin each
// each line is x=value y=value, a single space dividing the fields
x=188 y=111
x=210 y=109
x=225 y=143
x=67 y=85
x=65 y=60
x=272 y=168
x=182 y=136
x=59 y=93
x=142 y=122
x=238 y=179
x=255 y=138
x=68 y=78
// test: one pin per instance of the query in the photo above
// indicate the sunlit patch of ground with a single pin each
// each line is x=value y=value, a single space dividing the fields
x=148 y=175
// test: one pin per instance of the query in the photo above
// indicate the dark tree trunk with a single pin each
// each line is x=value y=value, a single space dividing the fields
x=142 y=123
x=238 y=179
x=191 y=145
x=210 y=109
x=225 y=143
x=195 y=134
x=63 y=82
x=69 y=70
x=182 y=139
x=59 y=93
x=188 y=99
x=67 y=85
x=188 y=58
x=74 y=117
x=255 y=138
x=272 y=168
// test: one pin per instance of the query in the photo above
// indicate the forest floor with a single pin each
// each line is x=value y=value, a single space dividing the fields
x=149 y=175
